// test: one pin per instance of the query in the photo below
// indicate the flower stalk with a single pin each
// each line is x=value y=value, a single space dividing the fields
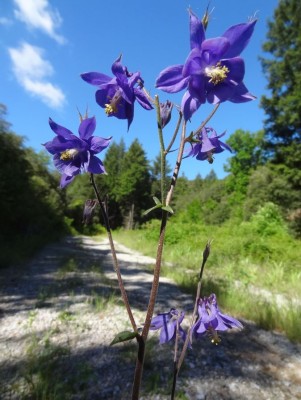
x=114 y=256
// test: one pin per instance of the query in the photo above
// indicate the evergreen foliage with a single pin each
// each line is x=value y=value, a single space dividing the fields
x=282 y=68
x=31 y=206
x=283 y=107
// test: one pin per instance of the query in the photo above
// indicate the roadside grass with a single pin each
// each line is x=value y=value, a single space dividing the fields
x=49 y=373
x=104 y=300
x=247 y=270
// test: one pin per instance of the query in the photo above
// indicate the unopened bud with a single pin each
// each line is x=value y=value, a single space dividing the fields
x=165 y=112
x=90 y=205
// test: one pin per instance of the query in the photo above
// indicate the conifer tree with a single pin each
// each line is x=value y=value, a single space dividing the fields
x=282 y=68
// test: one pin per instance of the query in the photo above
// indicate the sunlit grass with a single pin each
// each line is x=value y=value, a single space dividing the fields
x=246 y=271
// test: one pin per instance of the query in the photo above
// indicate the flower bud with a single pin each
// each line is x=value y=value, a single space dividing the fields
x=90 y=205
x=165 y=112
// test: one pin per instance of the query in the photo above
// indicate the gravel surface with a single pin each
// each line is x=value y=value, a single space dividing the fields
x=59 y=314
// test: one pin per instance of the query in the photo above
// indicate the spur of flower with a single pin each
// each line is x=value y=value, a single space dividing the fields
x=118 y=94
x=207 y=144
x=168 y=323
x=213 y=70
x=72 y=154
x=211 y=320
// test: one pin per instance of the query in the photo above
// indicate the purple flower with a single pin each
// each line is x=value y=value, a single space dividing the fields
x=213 y=71
x=210 y=319
x=207 y=145
x=168 y=323
x=118 y=94
x=72 y=154
x=165 y=112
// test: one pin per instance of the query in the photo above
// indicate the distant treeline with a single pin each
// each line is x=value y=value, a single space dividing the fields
x=265 y=167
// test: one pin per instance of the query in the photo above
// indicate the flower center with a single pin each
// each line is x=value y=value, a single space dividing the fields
x=215 y=339
x=217 y=73
x=210 y=157
x=68 y=154
x=112 y=106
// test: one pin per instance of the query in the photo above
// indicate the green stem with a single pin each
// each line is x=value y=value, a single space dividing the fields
x=175 y=133
x=156 y=277
x=162 y=149
x=114 y=257
x=195 y=133
x=206 y=254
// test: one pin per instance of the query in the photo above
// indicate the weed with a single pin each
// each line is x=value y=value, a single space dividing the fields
x=101 y=301
x=66 y=316
x=49 y=372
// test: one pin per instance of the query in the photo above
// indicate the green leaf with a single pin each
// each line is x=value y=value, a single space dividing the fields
x=123 y=337
x=168 y=209
x=151 y=209
x=156 y=200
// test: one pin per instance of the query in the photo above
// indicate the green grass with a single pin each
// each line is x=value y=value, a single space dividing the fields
x=102 y=301
x=49 y=373
x=242 y=257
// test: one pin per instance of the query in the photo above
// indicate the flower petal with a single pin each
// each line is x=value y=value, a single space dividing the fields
x=97 y=144
x=70 y=167
x=117 y=67
x=104 y=95
x=167 y=331
x=157 y=322
x=65 y=180
x=171 y=79
x=60 y=130
x=142 y=99
x=214 y=49
x=127 y=91
x=197 y=31
x=238 y=36
x=96 y=166
x=197 y=88
x=189 y=105
x=241 y=94
x=236 y=68
x=220 y=93
x=95 y=78
x=59 y=144
x=194 y=64
x=86 y=128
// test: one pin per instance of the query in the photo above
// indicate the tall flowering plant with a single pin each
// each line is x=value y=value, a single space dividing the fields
x=213 y=72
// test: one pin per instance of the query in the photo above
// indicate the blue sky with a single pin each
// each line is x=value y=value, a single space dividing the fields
x=46 y=44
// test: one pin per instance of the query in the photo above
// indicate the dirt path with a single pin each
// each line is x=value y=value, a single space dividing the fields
x=60 y=313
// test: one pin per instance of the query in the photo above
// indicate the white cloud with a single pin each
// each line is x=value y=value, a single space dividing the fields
x=31 y=71
x=39 y=15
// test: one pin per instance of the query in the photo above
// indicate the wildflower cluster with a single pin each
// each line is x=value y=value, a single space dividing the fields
x=210 y=320
x=213 y=72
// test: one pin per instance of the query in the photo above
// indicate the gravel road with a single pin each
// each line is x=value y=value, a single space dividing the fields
x=59 y=313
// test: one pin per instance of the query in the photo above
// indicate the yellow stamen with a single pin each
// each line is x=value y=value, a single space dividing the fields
x=215 y=339
x=210 y=157
x=217 y=73
x=110 y=108
x=68 y=154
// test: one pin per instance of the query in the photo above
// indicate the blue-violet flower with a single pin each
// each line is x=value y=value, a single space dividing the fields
x=118 y=94
x=168 y=323
x=72 y=154
x=213 y=71
x=210 y=319
x=208 y=144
